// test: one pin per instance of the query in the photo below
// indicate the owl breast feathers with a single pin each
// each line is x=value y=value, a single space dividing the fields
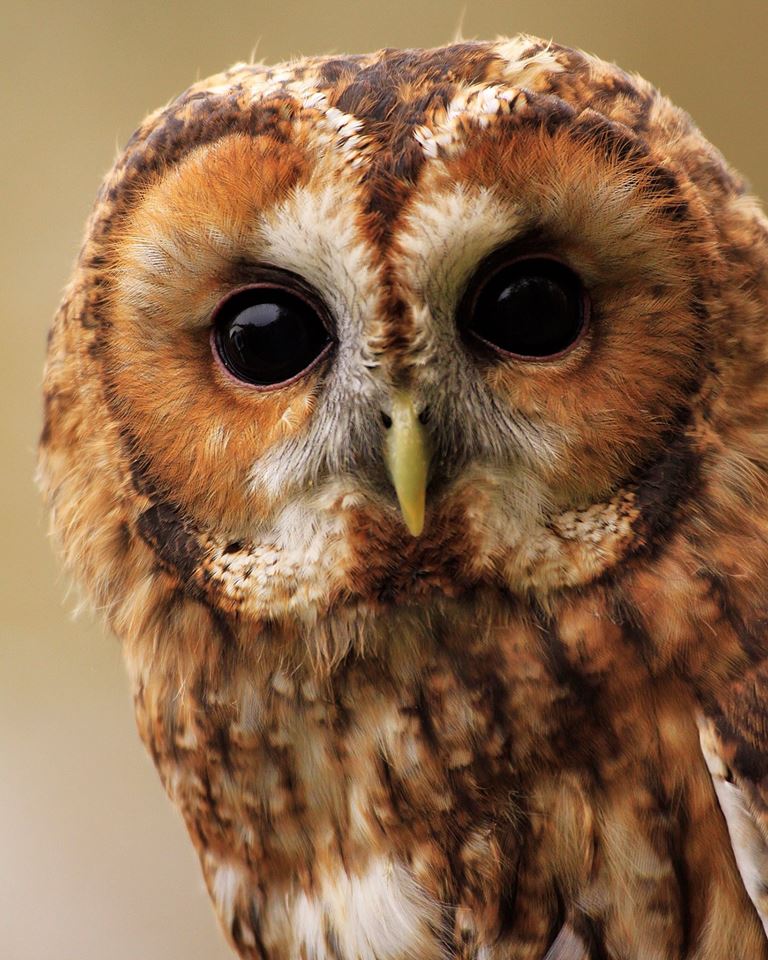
x=407 y=415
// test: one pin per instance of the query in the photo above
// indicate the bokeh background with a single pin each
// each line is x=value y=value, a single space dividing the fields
x=94 y=863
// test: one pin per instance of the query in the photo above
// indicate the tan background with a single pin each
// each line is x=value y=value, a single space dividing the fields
x=94 y=863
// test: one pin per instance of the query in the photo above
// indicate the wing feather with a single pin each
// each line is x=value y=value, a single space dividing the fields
x=734 y=740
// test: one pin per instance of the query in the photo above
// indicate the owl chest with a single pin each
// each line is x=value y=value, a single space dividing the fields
x=488 y=802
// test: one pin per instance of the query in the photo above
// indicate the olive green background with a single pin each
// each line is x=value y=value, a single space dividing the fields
x=94 y=863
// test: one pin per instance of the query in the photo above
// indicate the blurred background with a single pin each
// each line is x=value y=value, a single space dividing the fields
x=94 y=863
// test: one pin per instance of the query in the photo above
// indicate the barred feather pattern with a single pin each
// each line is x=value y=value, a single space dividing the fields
x=537 y=731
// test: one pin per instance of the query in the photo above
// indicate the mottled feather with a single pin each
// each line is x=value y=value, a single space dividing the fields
x=482 y=742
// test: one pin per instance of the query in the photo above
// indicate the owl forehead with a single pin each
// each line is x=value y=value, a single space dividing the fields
x=377 y=180
x=381 y=115
x=377 y=127
x=371 y=137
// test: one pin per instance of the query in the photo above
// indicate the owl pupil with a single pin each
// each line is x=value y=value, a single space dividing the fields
x=535 y=307
x=268 y=335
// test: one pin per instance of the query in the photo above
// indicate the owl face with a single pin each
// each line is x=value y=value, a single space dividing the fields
x=291 y=254
x=454 y=304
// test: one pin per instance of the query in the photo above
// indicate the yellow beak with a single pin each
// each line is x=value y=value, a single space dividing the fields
x=406 y=454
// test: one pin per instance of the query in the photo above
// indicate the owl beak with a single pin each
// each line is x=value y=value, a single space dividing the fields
x=406 y=454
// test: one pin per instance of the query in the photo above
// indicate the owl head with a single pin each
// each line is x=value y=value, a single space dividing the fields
x=378 y=330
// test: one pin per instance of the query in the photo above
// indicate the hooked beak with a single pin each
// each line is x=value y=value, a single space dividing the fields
x=406 y=454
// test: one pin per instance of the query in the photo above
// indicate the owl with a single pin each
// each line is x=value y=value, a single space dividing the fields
x=407 y=418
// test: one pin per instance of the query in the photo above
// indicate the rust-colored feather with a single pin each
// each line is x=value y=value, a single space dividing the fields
x=537 y=730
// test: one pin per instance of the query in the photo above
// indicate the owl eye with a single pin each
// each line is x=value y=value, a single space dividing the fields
x=533 y=307
x=268 y=335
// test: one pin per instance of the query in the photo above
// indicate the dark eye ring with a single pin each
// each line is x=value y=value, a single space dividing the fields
x=270 y=333
x=532 y=308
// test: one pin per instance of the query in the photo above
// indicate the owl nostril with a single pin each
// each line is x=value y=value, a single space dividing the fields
x=423 y=417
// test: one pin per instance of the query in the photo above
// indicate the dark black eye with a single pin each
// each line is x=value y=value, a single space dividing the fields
x=532 y=307
x=267 y=334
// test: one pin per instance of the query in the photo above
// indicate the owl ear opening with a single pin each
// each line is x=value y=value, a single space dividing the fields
x=406 y=454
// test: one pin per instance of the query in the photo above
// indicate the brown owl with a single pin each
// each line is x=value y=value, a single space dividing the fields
x=407 y=415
